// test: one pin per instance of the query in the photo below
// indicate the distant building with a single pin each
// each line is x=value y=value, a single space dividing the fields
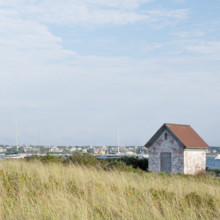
x=208 y=151
x=100 y=150
x=177 y=149
x=72 y=149
x=2 y=150
x=55 y=150
x=84 y=150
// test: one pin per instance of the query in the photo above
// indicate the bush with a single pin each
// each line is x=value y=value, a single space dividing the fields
x=215 y=172
x=128 y=161
x=136 y=163
x=45 y=159
x=82 y=159
x=123 y=164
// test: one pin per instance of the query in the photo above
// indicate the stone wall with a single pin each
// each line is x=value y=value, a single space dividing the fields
x=167 y=146
x=195 y=161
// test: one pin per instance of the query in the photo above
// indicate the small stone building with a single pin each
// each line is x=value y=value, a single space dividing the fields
x=177 y=148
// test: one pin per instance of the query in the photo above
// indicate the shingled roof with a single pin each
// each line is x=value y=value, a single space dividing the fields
x=184 y=134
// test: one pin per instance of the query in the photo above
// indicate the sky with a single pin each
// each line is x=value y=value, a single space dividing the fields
x=76 y=71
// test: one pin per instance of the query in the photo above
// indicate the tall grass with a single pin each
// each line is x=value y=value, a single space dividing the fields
x=33 y=190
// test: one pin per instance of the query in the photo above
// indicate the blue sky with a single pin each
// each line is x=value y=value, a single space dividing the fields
x=79 y=70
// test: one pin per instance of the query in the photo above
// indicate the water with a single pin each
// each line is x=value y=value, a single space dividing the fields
x=109 y=157
x=211 y=163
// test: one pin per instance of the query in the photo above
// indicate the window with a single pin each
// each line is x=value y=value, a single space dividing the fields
x=165 y=136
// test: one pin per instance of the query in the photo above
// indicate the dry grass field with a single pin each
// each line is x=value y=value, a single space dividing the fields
x=33 y=190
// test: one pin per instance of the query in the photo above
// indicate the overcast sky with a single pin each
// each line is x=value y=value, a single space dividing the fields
x=77 y=70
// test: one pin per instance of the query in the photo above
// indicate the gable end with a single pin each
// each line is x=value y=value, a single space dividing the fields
x=159 y=132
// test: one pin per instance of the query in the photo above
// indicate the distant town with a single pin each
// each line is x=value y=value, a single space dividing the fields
x=95 y=150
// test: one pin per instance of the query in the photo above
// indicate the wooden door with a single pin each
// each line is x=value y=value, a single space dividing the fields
x=165 y=162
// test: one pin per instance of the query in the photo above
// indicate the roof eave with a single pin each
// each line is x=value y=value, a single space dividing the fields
x=196 y=147
x=155 y=136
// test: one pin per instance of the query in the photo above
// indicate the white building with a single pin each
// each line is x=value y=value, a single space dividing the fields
x=55 y=150
x=2 y=150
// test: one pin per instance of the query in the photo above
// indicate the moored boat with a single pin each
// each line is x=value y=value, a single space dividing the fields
x=15 y=156
x=217 y=157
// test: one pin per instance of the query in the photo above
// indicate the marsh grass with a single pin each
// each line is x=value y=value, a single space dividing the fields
x=33 y=190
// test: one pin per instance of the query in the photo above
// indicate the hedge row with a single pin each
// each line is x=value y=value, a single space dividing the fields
x=123 y=163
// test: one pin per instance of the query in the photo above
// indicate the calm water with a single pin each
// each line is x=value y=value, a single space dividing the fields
x=212 y=163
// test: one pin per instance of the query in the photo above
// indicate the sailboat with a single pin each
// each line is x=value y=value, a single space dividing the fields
x=118 y=153
x=15 y=155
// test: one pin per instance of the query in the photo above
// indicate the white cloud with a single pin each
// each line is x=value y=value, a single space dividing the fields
x=43 y=84
x=28 y=44
x=179 y=1
x=205 y=48
x=188 y=34
x=95 y=3
x=84 y=91
x=90 y=12
x=175 y=14
x=126 y=4
x=195 y=47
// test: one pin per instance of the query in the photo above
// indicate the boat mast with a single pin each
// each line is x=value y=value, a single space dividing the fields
x=118 y=141
x=16 y=127
x=38 y=142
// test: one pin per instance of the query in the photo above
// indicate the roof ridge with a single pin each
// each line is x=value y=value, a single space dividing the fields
x=177 y=124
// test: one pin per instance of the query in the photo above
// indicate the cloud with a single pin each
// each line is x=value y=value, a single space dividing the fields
x=128 y=4
x=27 y=47
x=94 y=94
x=194 y=47
x=188 y=34
x=179 y=1
x=205 y=48
x=45 y=85
x=97 y=12
x=175 y=14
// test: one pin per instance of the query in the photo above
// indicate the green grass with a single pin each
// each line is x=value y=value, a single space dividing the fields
x=35 y=190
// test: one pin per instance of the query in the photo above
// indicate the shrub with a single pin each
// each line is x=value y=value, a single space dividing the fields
x=82 y=159
x=45 y=159
x=135 y=163
x=125 y=163
x=216 y=172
